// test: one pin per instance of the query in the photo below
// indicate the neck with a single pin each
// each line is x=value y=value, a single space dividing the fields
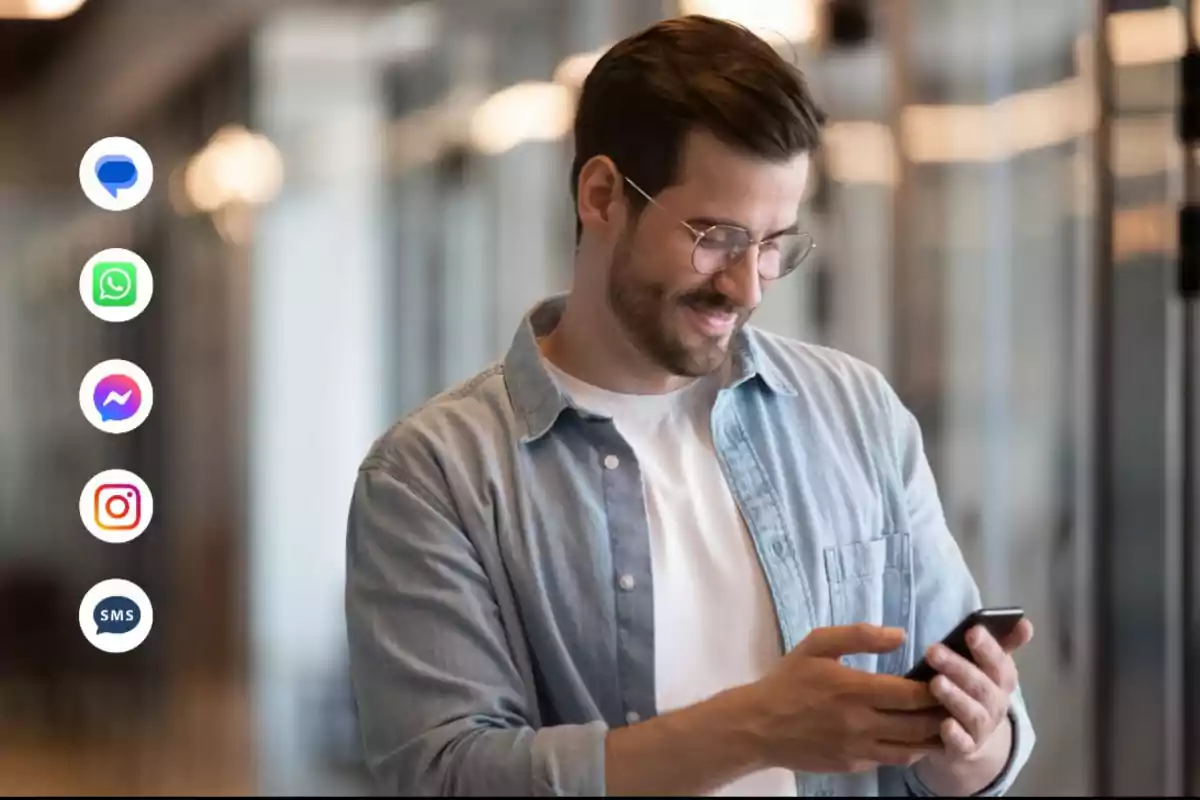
x=590 y=344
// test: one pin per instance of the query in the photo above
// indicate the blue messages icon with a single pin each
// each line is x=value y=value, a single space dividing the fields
x=116 y=172
x=116 y=614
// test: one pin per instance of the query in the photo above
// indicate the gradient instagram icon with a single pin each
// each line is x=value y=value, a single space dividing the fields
x=116 y=506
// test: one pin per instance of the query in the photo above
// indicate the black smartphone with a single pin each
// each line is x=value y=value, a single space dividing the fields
x=1000 y=622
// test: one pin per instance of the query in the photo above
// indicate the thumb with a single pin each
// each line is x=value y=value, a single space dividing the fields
x=843 y=640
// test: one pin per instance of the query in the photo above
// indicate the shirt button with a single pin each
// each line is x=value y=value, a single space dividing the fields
x=627 y=582
x=612 y=462
x=633 y=718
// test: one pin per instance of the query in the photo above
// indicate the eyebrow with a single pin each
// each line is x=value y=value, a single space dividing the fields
x=700 y=223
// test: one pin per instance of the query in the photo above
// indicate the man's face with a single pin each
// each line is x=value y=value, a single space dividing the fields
x=682 y=319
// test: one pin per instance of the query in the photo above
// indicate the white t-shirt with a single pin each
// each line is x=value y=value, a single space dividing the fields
x=714 y=623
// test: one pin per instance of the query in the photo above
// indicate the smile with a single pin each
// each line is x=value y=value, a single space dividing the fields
x=713 y=322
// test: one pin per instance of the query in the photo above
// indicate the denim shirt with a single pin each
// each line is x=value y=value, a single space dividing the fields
x=493 y=642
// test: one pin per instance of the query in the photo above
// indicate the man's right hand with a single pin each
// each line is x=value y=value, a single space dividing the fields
x=814 y=714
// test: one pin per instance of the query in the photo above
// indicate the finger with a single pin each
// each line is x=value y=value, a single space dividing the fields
x=1018 y=637
x=891 y=693
x=967 y=676
x=991 y=658
x=958 y=743
x=843 y=640
x=975 y=717
x=908 y=727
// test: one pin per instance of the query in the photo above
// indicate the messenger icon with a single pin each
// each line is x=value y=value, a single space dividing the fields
x=116 y=173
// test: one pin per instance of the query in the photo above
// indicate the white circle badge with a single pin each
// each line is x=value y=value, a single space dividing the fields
x=116 y=396
x=116 y=616
x=116 y=506
x=116 y=173
x=116 y=285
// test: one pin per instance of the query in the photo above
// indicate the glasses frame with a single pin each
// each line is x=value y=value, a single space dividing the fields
x=698 y=236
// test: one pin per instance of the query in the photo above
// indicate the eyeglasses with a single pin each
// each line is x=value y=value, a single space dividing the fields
x=719 y=247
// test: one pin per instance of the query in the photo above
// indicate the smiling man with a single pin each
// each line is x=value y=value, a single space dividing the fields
x=656 y=550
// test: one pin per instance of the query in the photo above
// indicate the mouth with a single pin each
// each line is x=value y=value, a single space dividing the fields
x=712 y=321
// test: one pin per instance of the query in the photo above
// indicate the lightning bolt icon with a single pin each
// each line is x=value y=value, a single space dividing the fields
x=119 y=399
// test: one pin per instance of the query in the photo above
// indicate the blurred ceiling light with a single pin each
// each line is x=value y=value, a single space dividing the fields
x=38 y=9
x=524 y=112
x=861 y=152
x=791 y=20
x=236 y=166
x=574 y=69
x=1022 y=122
x=1151 y=36
x=1142 y=231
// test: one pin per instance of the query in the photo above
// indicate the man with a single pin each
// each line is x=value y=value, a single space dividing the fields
x=655 y=550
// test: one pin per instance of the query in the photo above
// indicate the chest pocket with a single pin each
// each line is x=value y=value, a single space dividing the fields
x=872 y=582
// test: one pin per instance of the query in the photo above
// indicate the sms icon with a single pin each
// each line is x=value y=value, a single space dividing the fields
x=116 y=173
x=116 y=396
x=116 y=616
x=116 y=506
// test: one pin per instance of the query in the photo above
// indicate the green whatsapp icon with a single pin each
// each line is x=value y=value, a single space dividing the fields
x=114 y=284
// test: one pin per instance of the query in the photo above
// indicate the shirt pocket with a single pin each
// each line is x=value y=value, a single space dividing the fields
x=871 y=582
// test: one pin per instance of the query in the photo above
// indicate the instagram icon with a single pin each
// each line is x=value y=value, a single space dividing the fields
x=116 y=506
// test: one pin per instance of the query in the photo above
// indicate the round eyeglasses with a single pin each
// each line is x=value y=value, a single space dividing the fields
x=718 y=247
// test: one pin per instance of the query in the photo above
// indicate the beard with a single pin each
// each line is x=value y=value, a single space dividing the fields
x=652 y=316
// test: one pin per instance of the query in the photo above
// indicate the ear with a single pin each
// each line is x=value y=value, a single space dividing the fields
x=599 y=193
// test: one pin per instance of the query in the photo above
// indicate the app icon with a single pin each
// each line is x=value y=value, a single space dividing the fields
x=116 y=173
x=116 y=616
x=116 y=506
x=116 y=396
x=116 y=285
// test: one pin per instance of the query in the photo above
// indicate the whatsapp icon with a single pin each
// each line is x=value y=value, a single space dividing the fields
x=114 y=284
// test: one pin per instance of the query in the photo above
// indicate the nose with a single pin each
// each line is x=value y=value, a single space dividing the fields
x=740 y=282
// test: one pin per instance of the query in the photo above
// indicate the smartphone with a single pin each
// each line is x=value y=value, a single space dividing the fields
x=1000 y=622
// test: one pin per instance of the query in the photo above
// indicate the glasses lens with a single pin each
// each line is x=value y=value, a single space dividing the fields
x=779 y=256
x=718 y=247
x=722 y=246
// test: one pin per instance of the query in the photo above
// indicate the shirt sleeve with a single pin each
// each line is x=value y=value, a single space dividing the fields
x=442 y=707
x=944 y=591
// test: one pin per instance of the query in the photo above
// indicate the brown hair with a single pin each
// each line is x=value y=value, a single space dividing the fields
x=648 y=91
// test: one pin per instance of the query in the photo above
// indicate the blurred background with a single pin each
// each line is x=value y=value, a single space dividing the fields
x=355 y=203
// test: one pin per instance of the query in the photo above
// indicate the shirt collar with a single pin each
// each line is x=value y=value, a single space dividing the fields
x=539 y=401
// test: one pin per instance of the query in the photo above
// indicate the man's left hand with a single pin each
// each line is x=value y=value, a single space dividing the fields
x=976 y=695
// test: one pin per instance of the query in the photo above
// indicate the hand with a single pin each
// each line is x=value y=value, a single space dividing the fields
x=813 y=714
x=976 y=695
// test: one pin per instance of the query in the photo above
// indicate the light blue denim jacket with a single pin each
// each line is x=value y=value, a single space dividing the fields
x=491 y=642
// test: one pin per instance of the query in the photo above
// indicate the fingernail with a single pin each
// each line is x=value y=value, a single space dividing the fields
x=937 y=655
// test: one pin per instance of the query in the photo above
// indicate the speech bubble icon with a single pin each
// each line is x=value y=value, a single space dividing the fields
x=116 y=172
x=114 y=284
x=116 y=614
x=117 y=397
